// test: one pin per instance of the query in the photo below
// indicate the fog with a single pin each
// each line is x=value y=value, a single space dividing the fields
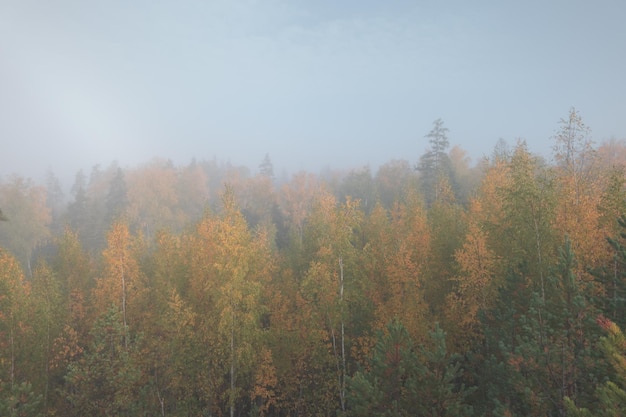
x=313 y=84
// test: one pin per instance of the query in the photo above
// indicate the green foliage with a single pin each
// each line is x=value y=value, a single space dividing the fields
x=542 y=349
x=19 y=400
x=272 y=307
x=611 y=396
x=103 y=381
x=24 y=203
x=613 y=278
x=404 y=380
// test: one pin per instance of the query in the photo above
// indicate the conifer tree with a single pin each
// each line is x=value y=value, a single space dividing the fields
x=104 y=381
x=405 y=380
x=613 y=278
x=542 y=350
x=435 y=164
x=611 y=397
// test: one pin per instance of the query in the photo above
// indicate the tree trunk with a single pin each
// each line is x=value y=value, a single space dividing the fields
x=342 y=387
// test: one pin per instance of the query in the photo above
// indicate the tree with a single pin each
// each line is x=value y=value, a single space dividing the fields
x=359 y=185
x=573 y=148
x=440 y=389
x=238 y=293
x=104 y=381
x=257 y=199
x=55 y=199
x=612 y=395
x=49 y=315
x=78 y=210
x=541 y=348
x=613 y=278
x=25 y=205
x=393 y=180
x=193 y=191
x=19 y=400
x=121 y=284
x=172 y=352
x=579 y=191
x=228 y=265
x=464 y=178
x=264 y=391
x=448 y=223
x=477 y=285
x=435 y=163
x=330 y=239
x=383 y=389
x=529 y=210
x=116 y=199
x=404 y=380
x=266 y=168
x=13 y=293
x=153 y=202
x=396 y=263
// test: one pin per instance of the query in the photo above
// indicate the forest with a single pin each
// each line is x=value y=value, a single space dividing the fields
x=431 y=287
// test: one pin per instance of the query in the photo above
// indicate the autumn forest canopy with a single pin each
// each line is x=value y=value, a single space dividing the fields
x=431 y=287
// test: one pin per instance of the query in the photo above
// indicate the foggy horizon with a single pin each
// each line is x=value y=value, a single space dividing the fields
x=314 y=85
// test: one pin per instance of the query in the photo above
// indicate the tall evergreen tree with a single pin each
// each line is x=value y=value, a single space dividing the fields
x=103 y=382
x=611 y=395
x=116 y=199
x=405 y=380
x=540 y=350
x=435 y=164
x=613 y=278
x=266 y=168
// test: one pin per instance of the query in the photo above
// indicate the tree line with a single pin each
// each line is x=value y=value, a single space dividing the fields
x=431 y=288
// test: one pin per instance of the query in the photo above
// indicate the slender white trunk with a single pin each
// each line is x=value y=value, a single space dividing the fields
x=158 y=392
x=232 y=364
x=12 y=342
x=539 y=258
x=47 y=355
x=342 y=392
x=124 y=302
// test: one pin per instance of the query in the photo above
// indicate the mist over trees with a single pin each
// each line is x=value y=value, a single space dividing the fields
x=432 y=286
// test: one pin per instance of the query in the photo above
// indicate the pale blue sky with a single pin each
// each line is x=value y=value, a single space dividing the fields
x=312 y=83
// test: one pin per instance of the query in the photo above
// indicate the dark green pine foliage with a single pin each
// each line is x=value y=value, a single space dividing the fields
x=19 y=400
x=381 y=391
x=613 y=279
x=439 y=386
x=540 y=352
x=405 y=380
x=104 y=382
x=499 y=387
x=611 y=396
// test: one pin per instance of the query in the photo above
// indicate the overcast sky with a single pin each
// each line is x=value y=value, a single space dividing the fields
x=312 y=83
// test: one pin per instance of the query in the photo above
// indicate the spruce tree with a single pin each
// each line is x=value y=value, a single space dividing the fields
x=405 y=380
x=435 y=166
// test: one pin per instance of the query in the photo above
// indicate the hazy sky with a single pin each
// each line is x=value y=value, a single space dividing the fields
x=313 y=83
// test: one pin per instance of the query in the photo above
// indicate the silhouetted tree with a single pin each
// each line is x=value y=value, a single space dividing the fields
x=266 y=168
x=434 y=165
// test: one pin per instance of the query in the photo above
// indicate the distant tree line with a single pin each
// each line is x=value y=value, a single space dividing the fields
x=433 y=287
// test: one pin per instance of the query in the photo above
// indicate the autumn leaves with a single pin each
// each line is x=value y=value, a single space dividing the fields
x=319 y=297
